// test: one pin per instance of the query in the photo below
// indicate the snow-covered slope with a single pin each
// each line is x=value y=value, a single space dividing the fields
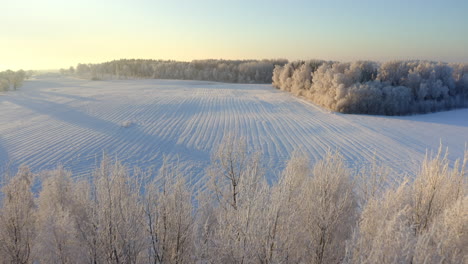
x=72 y=122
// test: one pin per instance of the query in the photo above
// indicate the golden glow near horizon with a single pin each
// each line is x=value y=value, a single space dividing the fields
x=58 y=34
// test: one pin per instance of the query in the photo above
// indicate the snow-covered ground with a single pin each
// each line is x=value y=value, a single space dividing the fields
x=73 y=122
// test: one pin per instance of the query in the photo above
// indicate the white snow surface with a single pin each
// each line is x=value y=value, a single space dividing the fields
x=72 y=122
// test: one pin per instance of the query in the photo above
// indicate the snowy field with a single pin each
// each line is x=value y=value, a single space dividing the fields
x=52 y=121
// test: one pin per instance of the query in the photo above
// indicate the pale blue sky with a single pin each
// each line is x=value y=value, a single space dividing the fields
x=51 y=34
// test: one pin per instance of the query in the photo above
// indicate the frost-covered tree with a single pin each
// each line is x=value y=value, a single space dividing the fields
x=82 y=70
x=57 y=238
x=446 y=239
x=418 y=222
x=231 y=217
x=285 y=240
x=384 y=233
x=169 y=217
x=435 y=188
x=330 y=209
x=365 y=87
x=118 y=214
x=309 y=214
x=17 y=218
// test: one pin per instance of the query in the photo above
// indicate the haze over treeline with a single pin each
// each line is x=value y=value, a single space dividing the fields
x=49 y=34
x=235 y=71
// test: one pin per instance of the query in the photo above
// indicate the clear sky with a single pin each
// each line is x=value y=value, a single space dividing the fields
x=47 y=34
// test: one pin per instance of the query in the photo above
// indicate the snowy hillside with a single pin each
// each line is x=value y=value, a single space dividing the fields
x=72 y=122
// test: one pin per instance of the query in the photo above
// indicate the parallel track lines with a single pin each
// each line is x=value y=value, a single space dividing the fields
x=73 y=125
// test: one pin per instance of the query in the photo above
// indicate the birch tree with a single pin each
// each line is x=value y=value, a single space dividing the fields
x=169 y=217
x=57 y=238
x=17 y=218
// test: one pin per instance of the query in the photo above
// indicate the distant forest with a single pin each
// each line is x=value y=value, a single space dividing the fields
x=366 y=87
x=232 y=71
x=360 y=87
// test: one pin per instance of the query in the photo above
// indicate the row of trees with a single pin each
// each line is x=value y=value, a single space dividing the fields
x=366 y=87
x=234 y=71
x=11 y=80
x=316 y=214
x=362 y=87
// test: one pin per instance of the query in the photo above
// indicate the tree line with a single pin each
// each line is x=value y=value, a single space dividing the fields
x=232 y=71
x=360 y=87
x=12 y=80
x=366 y=87
x=323 y=213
